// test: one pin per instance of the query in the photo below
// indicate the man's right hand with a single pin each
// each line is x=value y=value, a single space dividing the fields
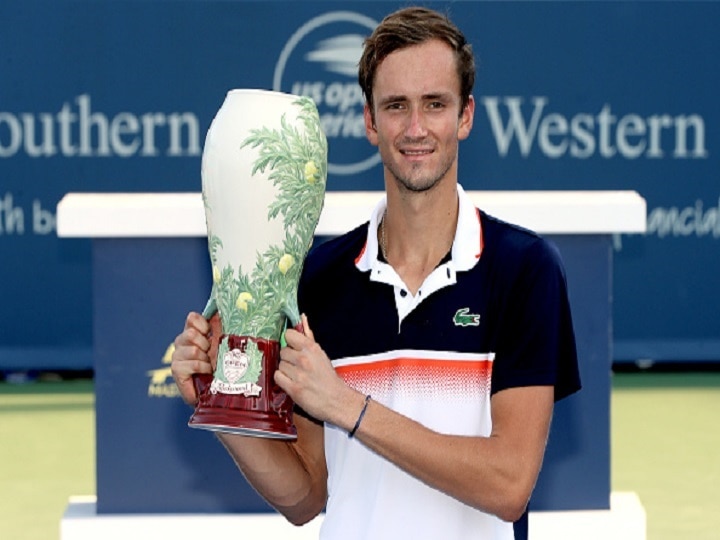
x=195 y=353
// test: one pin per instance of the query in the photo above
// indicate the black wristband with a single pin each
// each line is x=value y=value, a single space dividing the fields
x=362 y=413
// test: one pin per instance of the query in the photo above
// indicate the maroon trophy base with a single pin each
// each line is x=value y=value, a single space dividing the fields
x=268 y=414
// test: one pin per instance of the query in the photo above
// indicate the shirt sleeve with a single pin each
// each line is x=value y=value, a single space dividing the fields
x=536 y=340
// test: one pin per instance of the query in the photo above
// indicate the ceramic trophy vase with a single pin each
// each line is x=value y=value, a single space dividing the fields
x=264 y=167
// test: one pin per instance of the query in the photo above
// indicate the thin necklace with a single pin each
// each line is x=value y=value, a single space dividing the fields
x=383 y=238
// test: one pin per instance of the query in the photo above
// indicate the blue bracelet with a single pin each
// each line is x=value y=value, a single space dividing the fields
x=362 y=413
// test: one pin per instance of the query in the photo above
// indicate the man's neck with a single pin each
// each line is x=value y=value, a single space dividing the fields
x=419 y=229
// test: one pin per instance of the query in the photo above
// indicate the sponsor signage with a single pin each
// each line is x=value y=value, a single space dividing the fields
x=109 y=97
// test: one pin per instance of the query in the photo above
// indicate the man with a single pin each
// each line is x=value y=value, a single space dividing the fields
x=437 y=338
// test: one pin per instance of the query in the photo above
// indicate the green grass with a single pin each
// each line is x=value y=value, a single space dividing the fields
x=47 y=453
x=665 y=444
x=666 y=447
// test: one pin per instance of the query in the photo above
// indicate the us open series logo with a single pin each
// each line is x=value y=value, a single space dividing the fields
x=320 y=60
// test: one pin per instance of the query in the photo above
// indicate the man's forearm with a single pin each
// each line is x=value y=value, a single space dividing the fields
x=495 y=474
x=290 y=476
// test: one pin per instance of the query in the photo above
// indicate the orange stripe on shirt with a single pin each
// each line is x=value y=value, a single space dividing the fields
x=419 y=375
x=362 y=252
x=419 y=364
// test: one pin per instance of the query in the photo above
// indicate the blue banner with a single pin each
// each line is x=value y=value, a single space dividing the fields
x=112 y=96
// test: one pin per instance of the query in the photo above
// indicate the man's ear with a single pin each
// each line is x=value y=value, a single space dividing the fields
x=466 y=119
x=370 y=129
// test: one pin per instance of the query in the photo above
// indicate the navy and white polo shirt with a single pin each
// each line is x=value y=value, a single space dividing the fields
x=493 y=315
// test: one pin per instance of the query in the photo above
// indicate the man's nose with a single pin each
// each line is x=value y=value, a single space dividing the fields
x=416 y=124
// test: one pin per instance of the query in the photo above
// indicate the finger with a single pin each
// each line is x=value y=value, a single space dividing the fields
x=189 y=339
x=195 y=333
x=287 y=373
x=288 y=356
x=188 y=368
x=190 y=346
x=294 y=339
x=306 y=327
x=283 y=381
x=189 y=356
x=197 y=321
x=299 y=340
x=183 y=372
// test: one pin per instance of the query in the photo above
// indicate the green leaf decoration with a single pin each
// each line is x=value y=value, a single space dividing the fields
x=296 y=163
x=222 y=351
x=255 y=357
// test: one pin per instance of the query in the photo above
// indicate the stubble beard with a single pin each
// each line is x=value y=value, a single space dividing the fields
x=417 y=180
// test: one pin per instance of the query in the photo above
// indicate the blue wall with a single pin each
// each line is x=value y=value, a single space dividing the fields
x=114 y=96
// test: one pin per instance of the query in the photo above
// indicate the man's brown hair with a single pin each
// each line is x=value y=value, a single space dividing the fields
x=413 y=26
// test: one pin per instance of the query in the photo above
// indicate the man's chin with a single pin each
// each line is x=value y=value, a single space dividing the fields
x=418 y=184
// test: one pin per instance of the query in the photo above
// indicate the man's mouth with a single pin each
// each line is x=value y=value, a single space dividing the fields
x=411 y=153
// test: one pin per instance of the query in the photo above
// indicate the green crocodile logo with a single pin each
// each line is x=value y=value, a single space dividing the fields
x=463 y=318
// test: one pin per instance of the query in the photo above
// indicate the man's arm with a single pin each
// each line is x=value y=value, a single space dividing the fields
x=495 y=474
x=291 y=476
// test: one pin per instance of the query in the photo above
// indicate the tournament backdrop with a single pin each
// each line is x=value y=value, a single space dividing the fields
x=115 y=96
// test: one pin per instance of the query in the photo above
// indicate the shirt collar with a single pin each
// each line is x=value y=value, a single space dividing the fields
x=467 y=244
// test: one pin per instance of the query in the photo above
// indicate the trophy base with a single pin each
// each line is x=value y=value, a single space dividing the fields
x=248 y=423
x=265 y=412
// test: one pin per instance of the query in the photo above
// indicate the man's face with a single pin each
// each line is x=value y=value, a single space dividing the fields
x=417 y=123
